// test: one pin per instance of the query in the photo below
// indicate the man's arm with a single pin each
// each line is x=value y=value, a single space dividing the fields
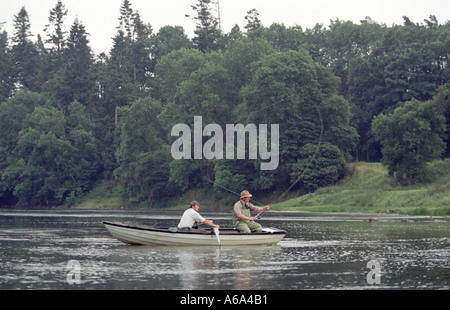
x=258 y=209
x=238 y=211
x=211 y=223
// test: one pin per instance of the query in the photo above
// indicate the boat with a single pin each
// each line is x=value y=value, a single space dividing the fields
x=144 y=235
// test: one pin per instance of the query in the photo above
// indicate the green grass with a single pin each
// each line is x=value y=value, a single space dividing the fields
x=368 y=188
x=104 y=195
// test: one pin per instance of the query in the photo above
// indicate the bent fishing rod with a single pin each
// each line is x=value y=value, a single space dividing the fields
x=313 y=157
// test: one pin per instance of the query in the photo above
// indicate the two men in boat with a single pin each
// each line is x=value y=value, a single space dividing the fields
x=242 y=218
x=191 y=217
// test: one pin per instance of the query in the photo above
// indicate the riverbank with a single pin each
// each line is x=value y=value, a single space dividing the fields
x=367 y=188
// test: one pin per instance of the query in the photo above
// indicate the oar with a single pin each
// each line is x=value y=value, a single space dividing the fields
x=216 y=231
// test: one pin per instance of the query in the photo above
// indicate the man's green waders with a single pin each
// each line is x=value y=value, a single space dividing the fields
x=245 y=226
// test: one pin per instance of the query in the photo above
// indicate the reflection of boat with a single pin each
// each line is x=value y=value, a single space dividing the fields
x=163 y=236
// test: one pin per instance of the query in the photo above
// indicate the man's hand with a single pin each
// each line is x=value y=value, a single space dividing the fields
x=245 y=218
x=211 y=223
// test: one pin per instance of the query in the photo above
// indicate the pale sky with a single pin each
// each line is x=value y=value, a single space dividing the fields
x=100 y=17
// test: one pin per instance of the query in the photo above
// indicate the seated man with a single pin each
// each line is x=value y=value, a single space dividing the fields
x=191 y=216
x=242 y=219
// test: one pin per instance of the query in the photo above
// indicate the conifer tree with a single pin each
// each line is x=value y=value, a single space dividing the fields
x=55 y=31
x=207 y=31
x=78 y=73
x=24 y=53
x=6 y=68
x=253 y=21
x=126 y=18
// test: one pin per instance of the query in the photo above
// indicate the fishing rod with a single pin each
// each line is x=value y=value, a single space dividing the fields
x=259 y=215
x=313 y=157
x=310 y=161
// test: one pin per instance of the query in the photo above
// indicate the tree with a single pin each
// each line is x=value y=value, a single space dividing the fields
x=24 y=53
x=320 y=168
x=206 y=92
x=52 y=160
x=78 y=72
x=142 y=156
x=133 y=44
x=6 y=68
x=239 y=56
x=126 y=18
x=207 y=32
x=174 y=68
x=443 y=98
x=289 y=89
x=227 y=173
x=74 y=80
x=141 y=46
x=86 y=164
x=168 y=39
x=128 y=69
x=410 y=137
x=253 y=21
x=55 y=32
x=284 y=38
x=119 y=88
x=399 y=63
x=13 y=113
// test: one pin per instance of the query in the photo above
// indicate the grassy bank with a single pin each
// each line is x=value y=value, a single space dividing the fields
x=366 y=188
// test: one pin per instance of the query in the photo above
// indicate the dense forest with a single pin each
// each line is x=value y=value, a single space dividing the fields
x=70 y=120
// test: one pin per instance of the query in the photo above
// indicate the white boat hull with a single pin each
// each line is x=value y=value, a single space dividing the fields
x=161 y=236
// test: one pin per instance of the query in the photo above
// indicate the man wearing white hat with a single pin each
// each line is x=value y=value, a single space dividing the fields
x=242 y=219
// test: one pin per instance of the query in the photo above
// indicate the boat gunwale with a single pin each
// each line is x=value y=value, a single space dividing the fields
x=222 y=231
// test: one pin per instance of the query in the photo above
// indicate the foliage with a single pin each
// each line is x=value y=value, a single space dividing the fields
x=142 y=156
x=71 y=119
x=318 y=170
x=207 y=31
x=411 y=136
x=57 y=160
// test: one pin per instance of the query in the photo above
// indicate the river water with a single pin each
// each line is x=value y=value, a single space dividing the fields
x=70 y=249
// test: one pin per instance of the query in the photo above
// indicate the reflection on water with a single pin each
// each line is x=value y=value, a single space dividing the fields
x=319 y=252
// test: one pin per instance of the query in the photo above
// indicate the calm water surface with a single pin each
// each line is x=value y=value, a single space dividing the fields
x=47 y=249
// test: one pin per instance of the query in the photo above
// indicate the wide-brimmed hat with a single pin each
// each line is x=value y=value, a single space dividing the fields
x=246 y=194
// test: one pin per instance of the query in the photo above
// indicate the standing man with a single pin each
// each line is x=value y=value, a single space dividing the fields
x=242 y=219
x=191 y=216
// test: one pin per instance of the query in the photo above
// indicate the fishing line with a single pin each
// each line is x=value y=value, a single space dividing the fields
x=300 y=176
x=224 y=134
x=313 y=157
x=311 y=160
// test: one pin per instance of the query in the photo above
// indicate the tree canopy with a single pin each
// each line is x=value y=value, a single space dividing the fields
x=71 y=119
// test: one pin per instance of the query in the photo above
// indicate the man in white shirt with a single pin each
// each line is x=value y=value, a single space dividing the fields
x=191 y=216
